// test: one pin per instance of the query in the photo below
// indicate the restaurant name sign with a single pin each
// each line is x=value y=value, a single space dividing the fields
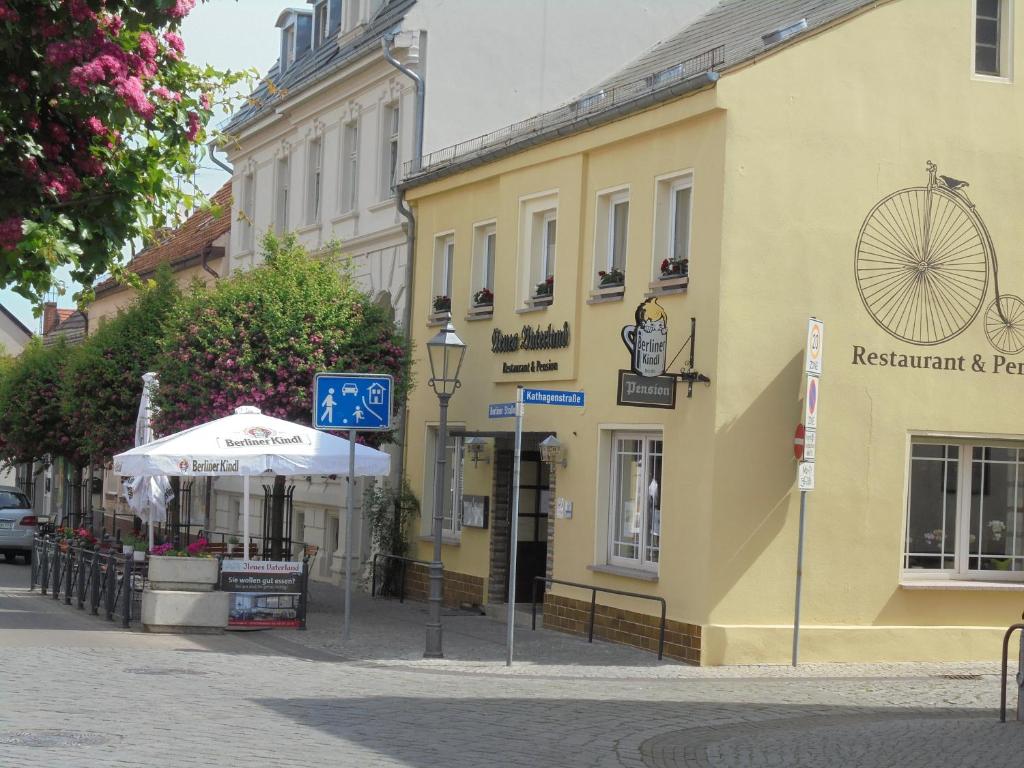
x=530 y=338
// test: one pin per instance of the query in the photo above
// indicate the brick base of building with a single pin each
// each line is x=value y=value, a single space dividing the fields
x=640 y=630
x=459 y=588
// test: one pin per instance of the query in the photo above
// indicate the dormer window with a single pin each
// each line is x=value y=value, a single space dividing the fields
x=320 y=23
x=296 y=32
x=287 y=47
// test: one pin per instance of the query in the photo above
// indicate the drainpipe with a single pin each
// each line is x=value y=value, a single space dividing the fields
x=406 y=212
x=213 y=156
x=206 y=262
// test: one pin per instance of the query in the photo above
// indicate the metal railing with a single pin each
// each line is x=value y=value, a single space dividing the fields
x=593 y=606
x=387 y=589
x=583 y=107
x=104 y=580
x=1020 y=674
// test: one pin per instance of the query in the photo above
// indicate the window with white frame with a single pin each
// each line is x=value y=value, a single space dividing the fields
x=281 y=200
x=350 y=166
x=538 y=238
x=612 y=222
x=965 y=510
x=634 y=500
x=390 y=148
x=314 y=177
x=319 y=23
x=992 y=37
x=485 y=240
x=451 y=512
x=287 y=47
x=444 y=266
x=673 y=216
x=247 y=214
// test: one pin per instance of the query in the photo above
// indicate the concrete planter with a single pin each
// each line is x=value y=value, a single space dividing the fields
x=180 y=596
x=194 y=574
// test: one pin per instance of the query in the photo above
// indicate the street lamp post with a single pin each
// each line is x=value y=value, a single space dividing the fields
x=445 y=352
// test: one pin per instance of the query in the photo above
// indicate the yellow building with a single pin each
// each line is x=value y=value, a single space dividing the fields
x=770 y=163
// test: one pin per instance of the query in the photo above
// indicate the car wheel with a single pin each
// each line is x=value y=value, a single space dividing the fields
x=9 y=557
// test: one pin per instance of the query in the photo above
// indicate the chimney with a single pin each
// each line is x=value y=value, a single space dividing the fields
x=50 y=317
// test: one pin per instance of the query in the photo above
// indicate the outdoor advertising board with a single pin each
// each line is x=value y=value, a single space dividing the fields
x=265 y=594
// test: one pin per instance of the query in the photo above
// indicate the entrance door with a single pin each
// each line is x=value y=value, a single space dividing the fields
x=532 y=552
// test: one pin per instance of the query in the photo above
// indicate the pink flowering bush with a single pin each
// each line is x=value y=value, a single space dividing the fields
x=101 y=126
x=31 y=422
x=258 y=337
x=198 y=548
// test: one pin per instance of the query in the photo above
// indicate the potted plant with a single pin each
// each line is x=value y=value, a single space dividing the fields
x=134 y=546
x=613 y=278
x=181 y=594
x=442 y=304
x=671 y=268
x=546 y=289
x=483 y=298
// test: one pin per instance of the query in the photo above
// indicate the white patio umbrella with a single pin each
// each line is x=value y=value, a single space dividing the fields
x=249 y=443
x=147 y=495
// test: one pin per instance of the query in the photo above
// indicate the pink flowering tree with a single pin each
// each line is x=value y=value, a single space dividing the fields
x=101 y=125
x=31 y=423
x=258 y=337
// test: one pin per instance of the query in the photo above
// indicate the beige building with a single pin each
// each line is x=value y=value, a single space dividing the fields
x=769 y=163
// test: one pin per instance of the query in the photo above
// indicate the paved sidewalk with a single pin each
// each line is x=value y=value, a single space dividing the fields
x=77 y=692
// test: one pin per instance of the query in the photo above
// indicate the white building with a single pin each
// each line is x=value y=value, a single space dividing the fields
x=321 y=144
x=14 y=335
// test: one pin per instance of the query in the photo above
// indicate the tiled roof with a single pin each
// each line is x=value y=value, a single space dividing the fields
x=729 y=34
x=738 y=26
x=71 y=326
x=64 y=314
x=181 y=244
x=317 y=64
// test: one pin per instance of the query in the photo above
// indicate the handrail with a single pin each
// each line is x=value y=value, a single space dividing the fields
x=404 y=561
x=593 y=605
x=1002 y=684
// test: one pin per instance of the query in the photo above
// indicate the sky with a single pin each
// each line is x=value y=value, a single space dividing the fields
x=229 y=34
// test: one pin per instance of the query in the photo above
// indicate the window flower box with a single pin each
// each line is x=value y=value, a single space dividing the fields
x=674 y=268
x=613 y=278
x=442 y=304
x=483 y=299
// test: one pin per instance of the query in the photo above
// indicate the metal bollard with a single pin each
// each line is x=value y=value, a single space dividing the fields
x=1020 y=674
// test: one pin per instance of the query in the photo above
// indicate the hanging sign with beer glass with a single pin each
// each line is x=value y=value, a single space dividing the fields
x=645 y=383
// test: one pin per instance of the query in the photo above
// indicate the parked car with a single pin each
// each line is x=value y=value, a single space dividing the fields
x=17 y=524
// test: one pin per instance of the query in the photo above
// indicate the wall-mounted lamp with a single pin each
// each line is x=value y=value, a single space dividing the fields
x=476 y=449
x=552 y=452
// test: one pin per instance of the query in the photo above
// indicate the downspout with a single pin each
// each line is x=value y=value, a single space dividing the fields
x=206 y=262
x=221 y=163
x=410 y=233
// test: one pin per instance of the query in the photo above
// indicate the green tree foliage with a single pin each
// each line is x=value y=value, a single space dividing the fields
x=103 y=382
x=258 y=338
x=31 y=420
x=101 y=127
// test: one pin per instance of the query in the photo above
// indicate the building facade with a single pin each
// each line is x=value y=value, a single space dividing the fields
x=320 y=146
x=763 y=166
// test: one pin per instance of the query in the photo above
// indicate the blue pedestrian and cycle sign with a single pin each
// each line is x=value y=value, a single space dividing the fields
x=360 y=401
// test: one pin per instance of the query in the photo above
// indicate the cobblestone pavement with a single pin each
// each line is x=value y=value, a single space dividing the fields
x=77 y=692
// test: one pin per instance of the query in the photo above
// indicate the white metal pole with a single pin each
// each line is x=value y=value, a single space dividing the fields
x=245 y=517
x=799 y=578
x=348 y=529
x=513 y=542
x=151 y=539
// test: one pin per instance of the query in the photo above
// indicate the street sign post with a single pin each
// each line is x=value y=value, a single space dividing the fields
x=807 y=438
x=517 y=409
x=357 y=402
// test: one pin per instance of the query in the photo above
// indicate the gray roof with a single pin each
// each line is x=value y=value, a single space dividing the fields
x=731 y=33
x=317 y=64
x=738 y=26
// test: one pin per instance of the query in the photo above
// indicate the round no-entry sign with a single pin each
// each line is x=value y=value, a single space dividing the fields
x=798 y=442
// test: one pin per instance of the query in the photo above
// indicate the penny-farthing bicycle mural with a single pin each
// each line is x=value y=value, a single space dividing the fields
x=922 y=265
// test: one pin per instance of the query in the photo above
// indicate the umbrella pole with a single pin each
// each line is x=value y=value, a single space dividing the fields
x=151 y=541
x=245 y=517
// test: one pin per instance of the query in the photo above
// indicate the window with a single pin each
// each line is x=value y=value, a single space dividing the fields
x=281 y=199
x=319 y=23
x=451 y=514
x=444 y=265
x=538 y=221
x=610 y=239
x=248 y=212
x=314 y=181
x=350 y=166
x=485 y=241
x=390 y=164
x=992 y=25
x=634 y=516
x=673 y=217
x=287 y=47
x=965 y=510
